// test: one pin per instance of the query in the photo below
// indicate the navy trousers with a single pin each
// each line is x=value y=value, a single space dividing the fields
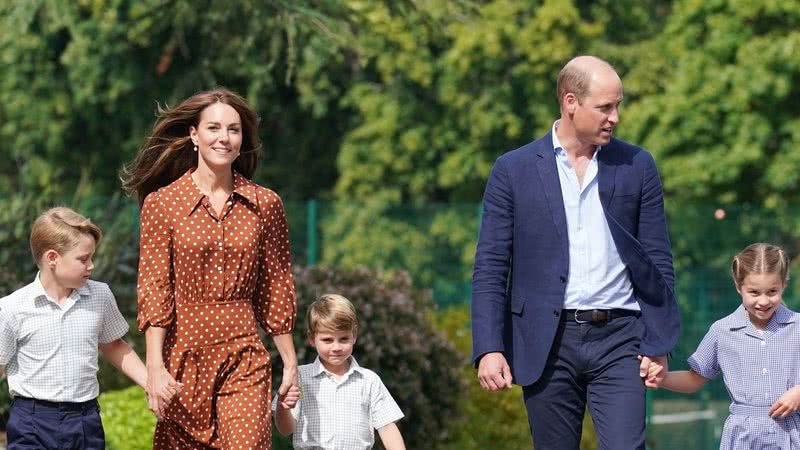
x=594 y=363
x=40 y=425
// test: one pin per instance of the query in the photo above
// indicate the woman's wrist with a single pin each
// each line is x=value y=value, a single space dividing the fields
x=155 y=366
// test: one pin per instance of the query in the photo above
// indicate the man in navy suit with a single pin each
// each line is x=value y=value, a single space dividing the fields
x=572 y=294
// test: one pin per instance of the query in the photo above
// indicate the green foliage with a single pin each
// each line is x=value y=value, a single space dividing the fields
x=79 y=82
x=716 y=102
x=396 y=339
x=435 y=242
x=127 y=420
x=446 y=88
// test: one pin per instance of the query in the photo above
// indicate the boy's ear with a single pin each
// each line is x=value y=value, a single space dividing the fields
x=310 y=338
x=50 y=257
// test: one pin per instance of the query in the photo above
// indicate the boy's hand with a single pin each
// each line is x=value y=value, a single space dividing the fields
x=289 y=400
x=653 y=370
x=787 y=404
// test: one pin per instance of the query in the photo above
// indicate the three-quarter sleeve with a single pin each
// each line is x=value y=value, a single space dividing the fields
x=155 y=286
x=274 y=303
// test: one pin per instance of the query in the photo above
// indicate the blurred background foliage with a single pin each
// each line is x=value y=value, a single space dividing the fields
x=392 y=113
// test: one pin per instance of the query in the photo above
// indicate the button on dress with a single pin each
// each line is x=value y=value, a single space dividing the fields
x=209 y=280
x=757 y=367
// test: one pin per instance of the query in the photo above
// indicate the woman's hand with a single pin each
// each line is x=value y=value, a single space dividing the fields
x=289 y=400
x=161 y=388
x=289 y=380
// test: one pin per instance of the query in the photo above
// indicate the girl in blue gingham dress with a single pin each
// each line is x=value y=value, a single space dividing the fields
x=757 y=349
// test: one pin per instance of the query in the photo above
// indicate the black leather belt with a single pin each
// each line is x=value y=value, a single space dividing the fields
x=596 y=315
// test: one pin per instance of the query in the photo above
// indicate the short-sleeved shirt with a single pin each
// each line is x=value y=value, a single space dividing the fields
x=758 y=366
x=340 y=414
x=50 y=350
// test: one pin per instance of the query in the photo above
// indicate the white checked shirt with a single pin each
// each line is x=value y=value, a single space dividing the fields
x=49 y=350
x=340 y=415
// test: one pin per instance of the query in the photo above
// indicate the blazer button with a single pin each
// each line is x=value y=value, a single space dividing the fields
x=556 y=312
x=563 y=279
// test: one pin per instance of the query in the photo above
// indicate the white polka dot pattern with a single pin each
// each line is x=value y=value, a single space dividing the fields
x=209 y=279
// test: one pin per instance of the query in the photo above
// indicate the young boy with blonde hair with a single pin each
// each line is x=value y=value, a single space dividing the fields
x=331 y=413
x=50 y=332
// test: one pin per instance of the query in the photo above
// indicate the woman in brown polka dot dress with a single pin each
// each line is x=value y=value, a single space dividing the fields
x=214 y=262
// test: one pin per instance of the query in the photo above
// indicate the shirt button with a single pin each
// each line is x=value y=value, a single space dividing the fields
x=764 y=370
x=763 y=343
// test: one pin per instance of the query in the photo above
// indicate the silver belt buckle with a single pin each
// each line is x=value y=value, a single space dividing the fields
x=576 y=317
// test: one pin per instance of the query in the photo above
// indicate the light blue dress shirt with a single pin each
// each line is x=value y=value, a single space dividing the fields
x=598 y=279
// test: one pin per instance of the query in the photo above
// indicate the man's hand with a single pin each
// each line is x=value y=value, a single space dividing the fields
x=653 y=370
x=493 y=372
x=787 y=404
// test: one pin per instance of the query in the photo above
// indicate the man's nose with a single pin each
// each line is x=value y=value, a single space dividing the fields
x=614 y=116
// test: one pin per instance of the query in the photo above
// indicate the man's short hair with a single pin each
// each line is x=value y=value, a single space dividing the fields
x=60 y=229
x=576 y=79
x=331 y=312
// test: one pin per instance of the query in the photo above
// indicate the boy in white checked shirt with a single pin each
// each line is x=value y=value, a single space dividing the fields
x=342 y=403
x=50 y=332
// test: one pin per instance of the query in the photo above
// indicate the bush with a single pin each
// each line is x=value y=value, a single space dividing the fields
x=488 y=418
x=397 y=340
x=127 y=420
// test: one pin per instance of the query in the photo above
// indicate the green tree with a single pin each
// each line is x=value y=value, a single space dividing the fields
x=79 y=82
x=447 y=87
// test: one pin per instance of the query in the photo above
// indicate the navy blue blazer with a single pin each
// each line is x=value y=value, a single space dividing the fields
x=522 y=257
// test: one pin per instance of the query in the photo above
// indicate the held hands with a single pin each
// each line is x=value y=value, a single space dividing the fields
x=494 y=373
x=787 y=404
x=289 y=400
x=653 y=370
x=289 y=391
x=160 y=389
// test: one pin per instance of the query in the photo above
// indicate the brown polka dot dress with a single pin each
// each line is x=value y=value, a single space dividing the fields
x=208 y=280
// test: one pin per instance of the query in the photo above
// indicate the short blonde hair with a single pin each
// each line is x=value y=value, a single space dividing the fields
x=60 y=229
x=331 y=312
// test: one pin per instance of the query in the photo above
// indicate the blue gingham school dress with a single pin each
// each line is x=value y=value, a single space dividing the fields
x=757 y=367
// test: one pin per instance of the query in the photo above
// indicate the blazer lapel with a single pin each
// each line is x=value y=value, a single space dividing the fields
x=546 y=167
x=605 y=177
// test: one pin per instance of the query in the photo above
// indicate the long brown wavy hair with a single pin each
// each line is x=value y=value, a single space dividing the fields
x=168 y=151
